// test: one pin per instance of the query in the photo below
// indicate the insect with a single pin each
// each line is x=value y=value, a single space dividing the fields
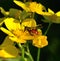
x=32 y=30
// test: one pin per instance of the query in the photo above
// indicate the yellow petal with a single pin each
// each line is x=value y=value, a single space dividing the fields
x=40 y=41
x=29 y=22
x=44 y=13
x=32 y=6
x=44 y=41
x=6 y=31
x=18 y=40
x=50 y=11
x=27 y=37
x=13 y=38
x=11 y=23
x=21 y=38
x=58 y=13
x=38 y=8
x=9 y=51
x=4 y=54
x=21 y=4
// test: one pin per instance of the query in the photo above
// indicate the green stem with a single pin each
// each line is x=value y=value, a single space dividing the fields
x=22 y=50
x=47 y=28
x=29 y=54
x=38 y=54
x=23 y=53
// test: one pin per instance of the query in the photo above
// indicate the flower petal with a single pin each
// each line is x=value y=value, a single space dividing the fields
x=18 y=40
x=44 y=13
x=32 y=6
x=58 y=13
x=29 y=22
x=21 y=4
x=9 y=52
x=11 y=23
x=4 y=54
x=38 y=8
x=50 y=11
x=22 y=37
x=13 y=38
x=40 y=41
x=6 y=31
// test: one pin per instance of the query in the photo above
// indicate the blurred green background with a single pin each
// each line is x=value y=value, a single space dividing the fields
x=52 y=51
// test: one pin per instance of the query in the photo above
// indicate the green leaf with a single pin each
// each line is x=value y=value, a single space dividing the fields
x=24 y=15
x=15 y=13
x=7 y=42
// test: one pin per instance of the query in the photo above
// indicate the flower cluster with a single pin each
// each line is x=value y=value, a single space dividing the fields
x=20 y=34
x=21 y=28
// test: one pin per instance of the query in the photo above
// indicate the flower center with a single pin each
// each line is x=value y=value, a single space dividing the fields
x=17 y=32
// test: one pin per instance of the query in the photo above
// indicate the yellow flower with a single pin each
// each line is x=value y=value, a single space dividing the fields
x=40 y=41
x=16 y=31
x=54 y=17
x=7 y=50
x=33 y=7
x=38 y=8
